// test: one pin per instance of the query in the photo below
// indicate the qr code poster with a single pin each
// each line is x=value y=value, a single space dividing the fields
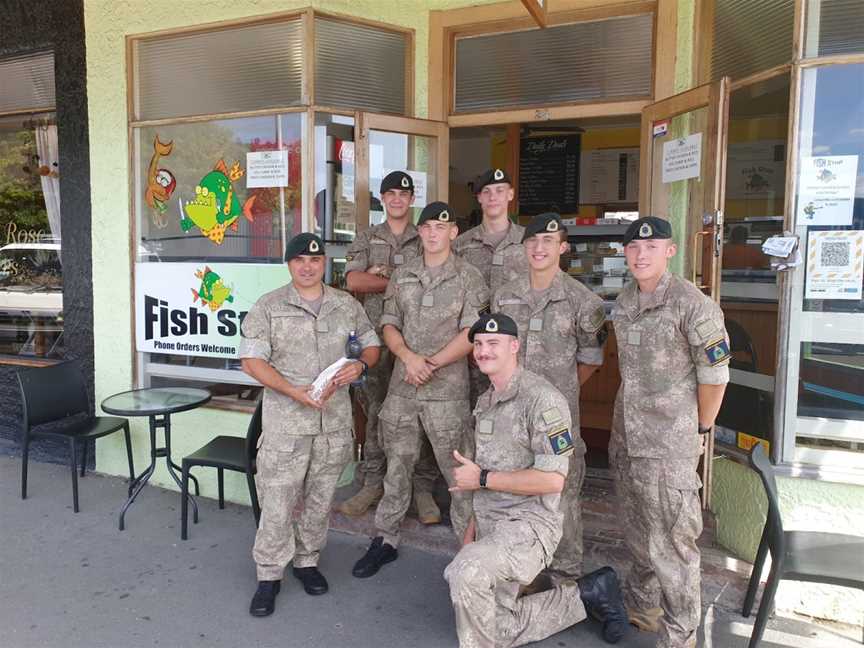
x=834 y=265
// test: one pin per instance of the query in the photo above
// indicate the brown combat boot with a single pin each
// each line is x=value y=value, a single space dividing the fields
x=362 y=501
x=646 y=620
x=427 y=510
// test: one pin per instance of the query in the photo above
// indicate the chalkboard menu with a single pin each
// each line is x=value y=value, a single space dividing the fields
x=549 y=174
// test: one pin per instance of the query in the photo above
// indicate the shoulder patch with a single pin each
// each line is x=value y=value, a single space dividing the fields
x=552 y=415
x=706 y=329
x=717 y=352
x=560 y=439
x=596 y=319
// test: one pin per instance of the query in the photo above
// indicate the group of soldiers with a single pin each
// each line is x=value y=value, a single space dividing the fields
x=486 y=343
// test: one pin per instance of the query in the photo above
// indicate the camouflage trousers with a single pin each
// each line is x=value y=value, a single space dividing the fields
x=662 y=519
x=374 y=464
x=567 y=562
x=307 y=467
x=403 y=423
x=484 y=580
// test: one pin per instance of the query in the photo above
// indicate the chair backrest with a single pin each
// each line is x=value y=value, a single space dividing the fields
x=52 y=393
x=774 y=523
x=740 y=340
x=253 y=432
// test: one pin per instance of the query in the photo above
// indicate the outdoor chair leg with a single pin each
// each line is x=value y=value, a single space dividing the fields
x=253 y=497
x=756 y=576
x=220 y=476
x=83 y=457
x=25 y=452
x=184 y=501
x=767 y=604
x=73 y=452
x=129 y=454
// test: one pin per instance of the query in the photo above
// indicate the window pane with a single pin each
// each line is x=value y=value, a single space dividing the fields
x=31 y=276
x=750 y=36
x=248 y=217
x=834 y=27
x=359 y=66
x=604 y=59
x=226 y=70
x=27 y=82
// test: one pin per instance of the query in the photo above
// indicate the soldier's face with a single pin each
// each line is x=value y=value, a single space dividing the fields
x=647 y=259
x=306 y=271
x=397 y=202
x=436 y=236
x=544 y=250
x=494 y=199
x=495 y=352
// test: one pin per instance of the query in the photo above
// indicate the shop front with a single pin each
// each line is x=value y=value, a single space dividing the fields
x=219 y=132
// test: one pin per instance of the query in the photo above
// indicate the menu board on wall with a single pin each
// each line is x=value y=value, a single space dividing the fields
x=609 y=176
x=549 y=174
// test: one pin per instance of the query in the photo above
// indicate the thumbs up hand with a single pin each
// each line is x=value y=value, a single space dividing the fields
x=466 y=476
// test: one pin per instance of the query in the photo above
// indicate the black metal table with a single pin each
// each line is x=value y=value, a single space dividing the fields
x=157 y=403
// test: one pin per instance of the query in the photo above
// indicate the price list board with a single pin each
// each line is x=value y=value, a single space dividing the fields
x=549 y=174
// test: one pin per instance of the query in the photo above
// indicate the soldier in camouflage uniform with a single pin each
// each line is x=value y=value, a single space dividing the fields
x=429 y=306
x=290 y=335
x=561 y=325
x=673 y=353
x=494 y=247
x=523 y=444
x=372 y=257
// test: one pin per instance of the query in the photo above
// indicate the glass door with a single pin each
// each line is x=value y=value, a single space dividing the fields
x=682 y=170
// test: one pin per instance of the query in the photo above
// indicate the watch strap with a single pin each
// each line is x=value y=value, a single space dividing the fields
x=483 y=475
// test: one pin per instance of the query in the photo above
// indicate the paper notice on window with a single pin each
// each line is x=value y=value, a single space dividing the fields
x=834 y=265
x=682 y=158
x=826 y=190
x=420 y=185
x=266 y=169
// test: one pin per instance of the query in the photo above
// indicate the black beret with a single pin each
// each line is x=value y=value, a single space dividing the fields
x=648 y=227
x=493 y=323
x=397 y=180
x=492 y=176
x=438 y=211
x=305 y=244
x=549 y=222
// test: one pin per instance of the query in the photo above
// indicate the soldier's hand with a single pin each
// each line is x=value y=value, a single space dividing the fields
x=348 y=374
x=466 y=476
x=301 y=394
x=329 y=390
x=417 y=370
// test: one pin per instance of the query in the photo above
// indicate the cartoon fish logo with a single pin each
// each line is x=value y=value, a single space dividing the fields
x=825 y=175
x=212 y=292
x=216 y=207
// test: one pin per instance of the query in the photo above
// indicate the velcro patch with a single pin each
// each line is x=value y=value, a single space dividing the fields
x=561 y=440
x=349 y=257
x=485 y=426
x=595 y=321
x=706 y=330
x=552 y=415
x=717 y=352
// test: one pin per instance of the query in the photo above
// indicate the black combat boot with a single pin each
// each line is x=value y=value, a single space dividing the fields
x=602 y=598
x=313 y=580
x=379 y=554
x=264 y=601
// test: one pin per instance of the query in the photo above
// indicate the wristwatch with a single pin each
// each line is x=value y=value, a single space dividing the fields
x=365 y=368
x=704 y=430
x=483 y=475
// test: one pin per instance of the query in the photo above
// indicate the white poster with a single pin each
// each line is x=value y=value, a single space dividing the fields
x=195 y=309
x=756 y=170
x=346 y=156
x=826 y=190
x=834 y=265
x=609 y=175
x=420 y=183
x=682 y=158
x=266 y=169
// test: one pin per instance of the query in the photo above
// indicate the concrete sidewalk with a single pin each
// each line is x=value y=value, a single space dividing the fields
x=74 y=580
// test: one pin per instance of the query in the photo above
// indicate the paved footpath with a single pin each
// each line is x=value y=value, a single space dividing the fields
x=73 y=580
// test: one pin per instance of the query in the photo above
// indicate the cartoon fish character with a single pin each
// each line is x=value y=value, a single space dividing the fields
x=212 y=292
x=216 y=207
x=160 y=183
x=826 y=175
x=757 y=183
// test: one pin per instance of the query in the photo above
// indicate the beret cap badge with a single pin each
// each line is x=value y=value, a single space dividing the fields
x=405 y=182
x=498 y=175
x=552 y=226
x=444 y=216
x=645 y=230
x=492 y=326
x=313 y=246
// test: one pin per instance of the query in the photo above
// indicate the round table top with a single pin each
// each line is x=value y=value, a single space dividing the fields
x=155 y=400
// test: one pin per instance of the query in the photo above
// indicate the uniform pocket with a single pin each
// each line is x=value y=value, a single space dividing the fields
x=339 y=450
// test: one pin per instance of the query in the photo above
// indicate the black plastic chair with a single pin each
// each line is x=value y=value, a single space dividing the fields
x=224 y=453
x=812 y=556
x=56 y=405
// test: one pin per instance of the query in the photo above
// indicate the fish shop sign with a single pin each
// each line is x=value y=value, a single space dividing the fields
x=196 y=309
